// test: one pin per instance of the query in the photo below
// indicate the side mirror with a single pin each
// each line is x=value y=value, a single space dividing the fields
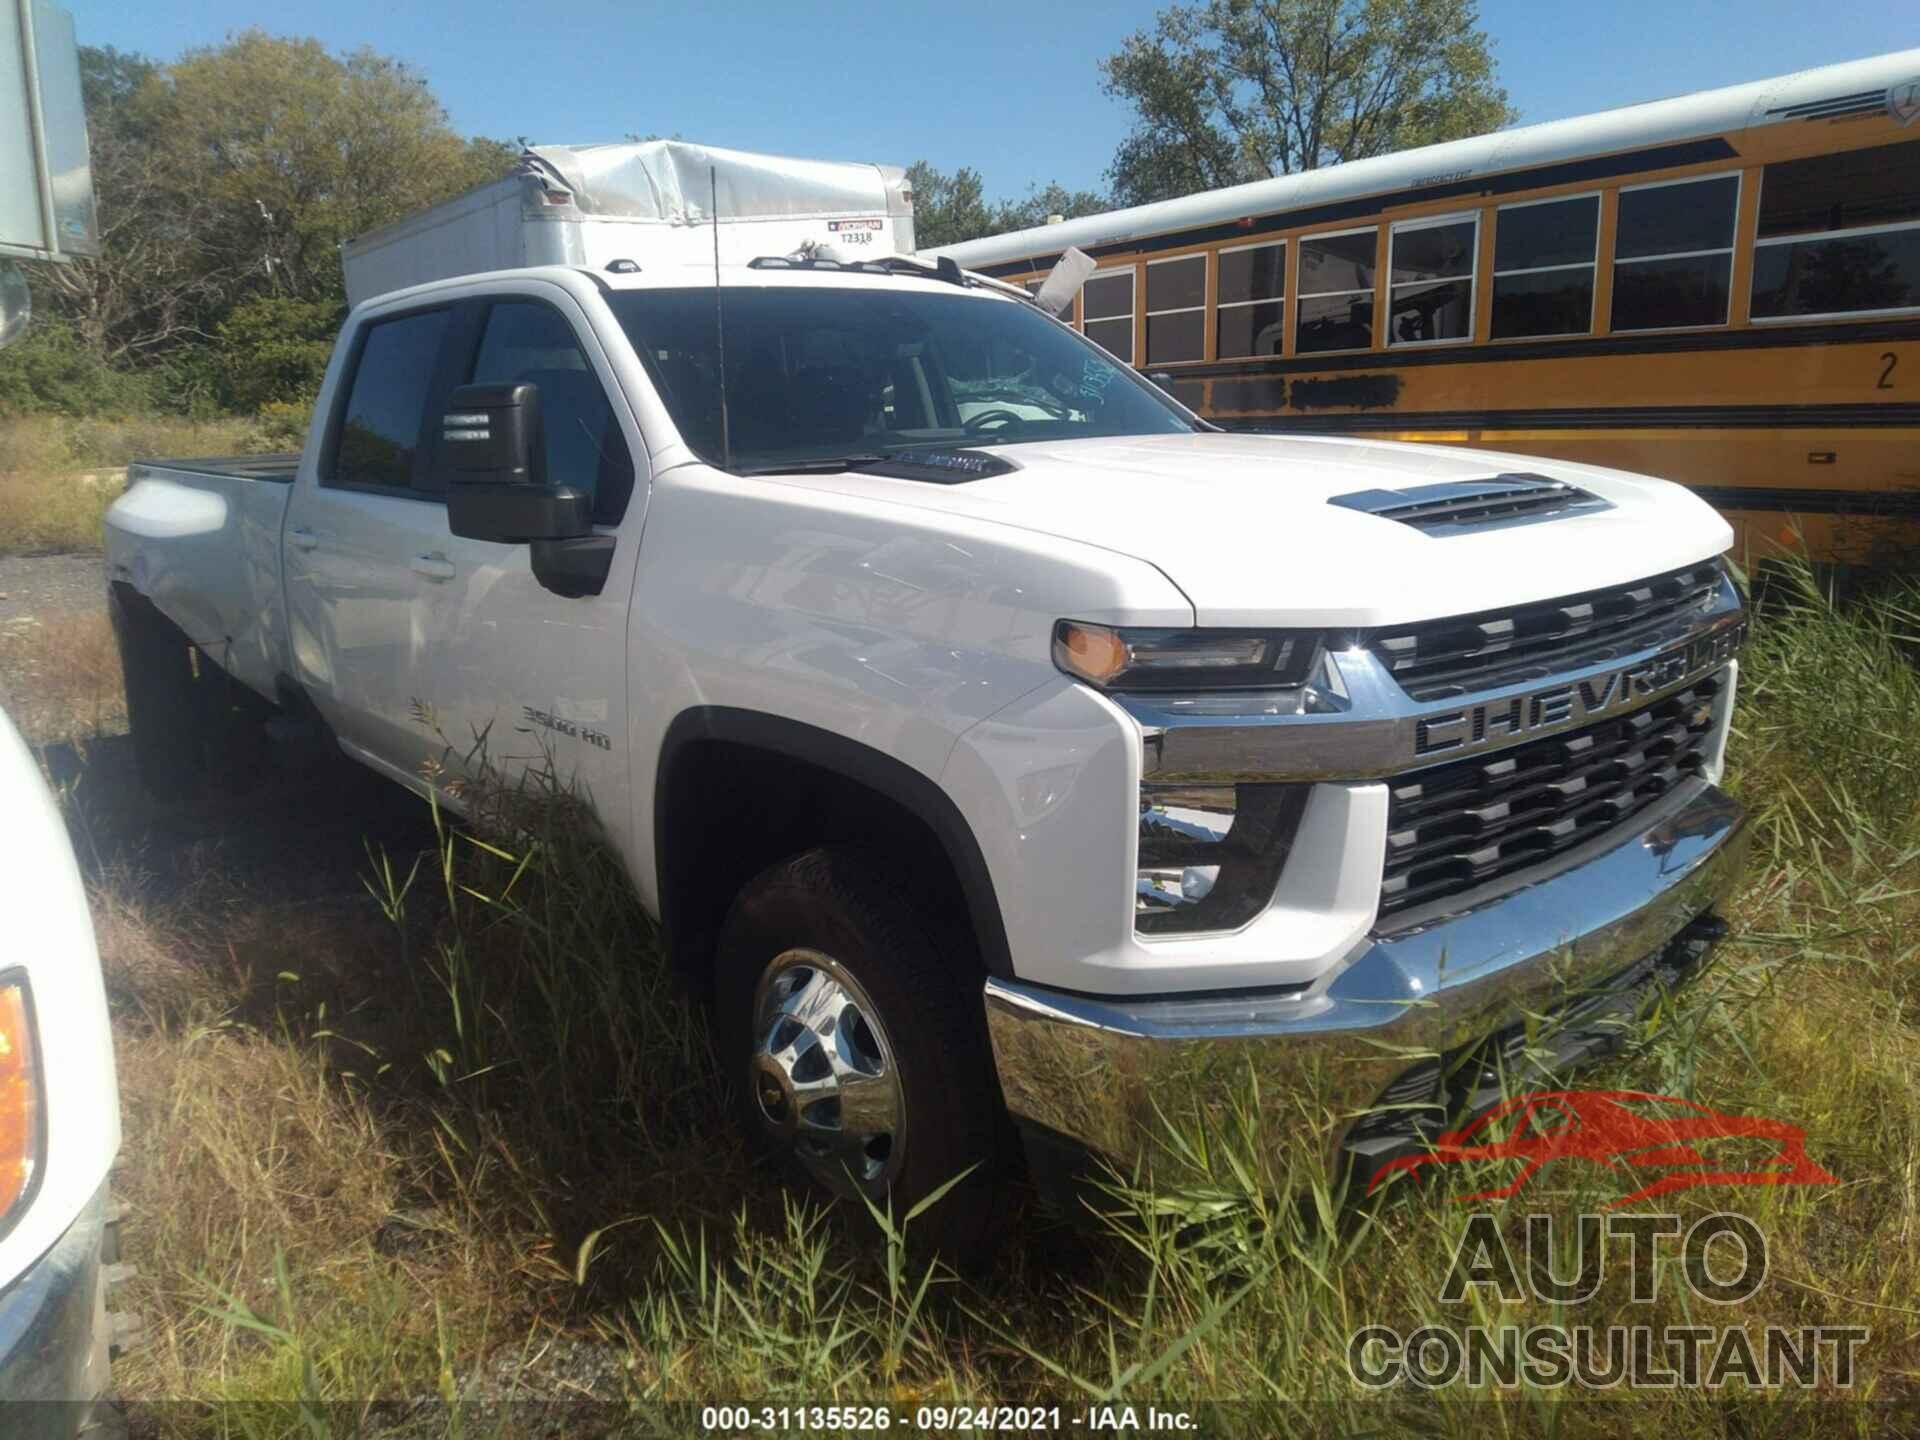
x=493 y=455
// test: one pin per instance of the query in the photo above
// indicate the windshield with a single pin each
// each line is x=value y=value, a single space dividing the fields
x=822 y=374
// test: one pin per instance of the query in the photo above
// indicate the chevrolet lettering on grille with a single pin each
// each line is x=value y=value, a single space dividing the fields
x=1566 y=705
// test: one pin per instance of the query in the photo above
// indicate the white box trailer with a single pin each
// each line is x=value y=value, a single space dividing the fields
x=651 y=202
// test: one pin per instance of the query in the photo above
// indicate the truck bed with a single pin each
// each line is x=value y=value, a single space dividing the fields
x=200 y=538
x=279 y=468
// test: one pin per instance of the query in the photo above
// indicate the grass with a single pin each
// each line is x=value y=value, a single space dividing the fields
x=60 y=677
x=457 y=1138
x=58 y=475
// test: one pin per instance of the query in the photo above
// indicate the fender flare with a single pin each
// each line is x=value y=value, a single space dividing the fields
x=892 y=779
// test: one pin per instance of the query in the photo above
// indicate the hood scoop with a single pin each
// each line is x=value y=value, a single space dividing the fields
x=1466 y=507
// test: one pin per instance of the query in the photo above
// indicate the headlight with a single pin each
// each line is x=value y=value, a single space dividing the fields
x=20 y=1136
x=1183 y=659
x=1211 y=856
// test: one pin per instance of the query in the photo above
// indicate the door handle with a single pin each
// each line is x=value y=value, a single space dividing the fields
x=301 y=538
x=435 y=566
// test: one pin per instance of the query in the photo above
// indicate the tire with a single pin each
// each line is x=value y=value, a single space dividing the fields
x=823 y=963
x=183 y=714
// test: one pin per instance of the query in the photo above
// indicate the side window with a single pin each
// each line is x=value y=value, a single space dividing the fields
x=1106 y=301
x=1839 y=234
x=1543 y=258
x=1336 y=291
x=1673 y=254
x=1431 y=297
x=1252 y=314
x=387 y=401
x=526 y=340
x=1176 y=309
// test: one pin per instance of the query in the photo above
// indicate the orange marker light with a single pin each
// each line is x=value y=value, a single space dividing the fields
x=19 y=1098
x=1093 y=652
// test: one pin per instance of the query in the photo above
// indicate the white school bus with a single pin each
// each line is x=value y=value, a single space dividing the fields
x=1723 y=289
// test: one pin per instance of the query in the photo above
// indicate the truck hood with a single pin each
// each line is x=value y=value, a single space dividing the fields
x=1242 y=524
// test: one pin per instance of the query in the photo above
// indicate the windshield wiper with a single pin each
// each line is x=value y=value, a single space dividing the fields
x=827 y=465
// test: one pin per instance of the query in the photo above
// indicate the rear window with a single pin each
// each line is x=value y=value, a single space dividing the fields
x=387 y=401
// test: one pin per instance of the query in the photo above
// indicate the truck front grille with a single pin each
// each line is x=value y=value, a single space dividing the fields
x=1456 y=826
x=1443 y=658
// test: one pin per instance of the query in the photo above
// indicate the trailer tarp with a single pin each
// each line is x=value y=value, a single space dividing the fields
x=673 y=181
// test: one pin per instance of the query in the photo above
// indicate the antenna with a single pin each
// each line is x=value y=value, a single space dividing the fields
x=720 y=320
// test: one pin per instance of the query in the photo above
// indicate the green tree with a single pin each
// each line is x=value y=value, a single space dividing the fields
x=1046 y=201
x=226 y=182
x=274 y=349
x=152 y=284
x=1228 y=91
x=949 y=208
x=299 y=149
x=52 y=369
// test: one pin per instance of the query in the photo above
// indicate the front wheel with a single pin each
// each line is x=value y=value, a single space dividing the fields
x=857 y=1036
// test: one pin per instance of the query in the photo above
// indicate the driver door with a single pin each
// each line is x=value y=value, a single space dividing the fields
x=522 y=675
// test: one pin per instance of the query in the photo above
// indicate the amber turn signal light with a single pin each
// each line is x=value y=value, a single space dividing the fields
x=1193 y=659
x=19 y=1098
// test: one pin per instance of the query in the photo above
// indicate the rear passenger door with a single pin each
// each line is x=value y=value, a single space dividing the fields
x=518 y=670
x=365 y=540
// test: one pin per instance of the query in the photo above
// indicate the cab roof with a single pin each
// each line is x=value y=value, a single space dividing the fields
x=732 y=277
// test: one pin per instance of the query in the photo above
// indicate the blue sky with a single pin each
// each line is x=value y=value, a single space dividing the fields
x=1011 y=89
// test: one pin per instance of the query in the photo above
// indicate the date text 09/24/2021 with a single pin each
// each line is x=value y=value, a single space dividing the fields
x=947 y=1419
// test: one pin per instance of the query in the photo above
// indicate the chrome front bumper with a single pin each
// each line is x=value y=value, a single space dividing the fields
x=53 y=1337
x=1116 y=1076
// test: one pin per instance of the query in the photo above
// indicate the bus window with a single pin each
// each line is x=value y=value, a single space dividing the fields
x=1543 y=260
x=1673 y=253
x=1336 y=291
x=1839 y=234
x=1431 y=294
x=1176 y=309
x=1106 y=305
x=1252 y=310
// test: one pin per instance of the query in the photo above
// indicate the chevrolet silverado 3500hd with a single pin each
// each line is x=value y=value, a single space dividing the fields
x=990 y=735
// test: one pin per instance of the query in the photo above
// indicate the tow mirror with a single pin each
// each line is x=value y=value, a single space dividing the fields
x=493 y=455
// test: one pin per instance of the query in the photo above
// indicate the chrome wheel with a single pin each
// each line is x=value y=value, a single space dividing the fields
x=822 y=1073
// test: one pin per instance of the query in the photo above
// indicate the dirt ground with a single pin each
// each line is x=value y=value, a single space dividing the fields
x=212 y=915
x=32 y=587
x=59 y=680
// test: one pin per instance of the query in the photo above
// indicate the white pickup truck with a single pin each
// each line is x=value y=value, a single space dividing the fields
x=991 y=737
x=59 y=1129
